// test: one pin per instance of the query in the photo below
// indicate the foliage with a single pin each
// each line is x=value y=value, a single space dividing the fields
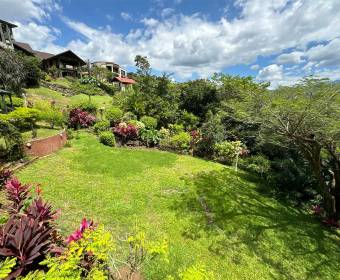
x=50 y=113
x=125 y=132
x=107 y=138
x=150 y=122
x=89 y=107
x=179 y=142
x=16 y=101
x=5 y=175
x=137 y=124
x=142 y=64
x=212 y=132
x=17 y=194
x=176 y=128
x=24 y=117
x=227 y=151
x=80 y=119
x=114 y=115
x=150 y=137
x=6 y=267
x=12 y=71
x=129 y=116
x=189 y=120
x=101 y=126
x=196 y=272
x=13 y=142
x=54 y=71
x=32 y=70
x=258 y=164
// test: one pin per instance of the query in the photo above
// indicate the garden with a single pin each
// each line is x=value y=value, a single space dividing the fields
x=216 y=178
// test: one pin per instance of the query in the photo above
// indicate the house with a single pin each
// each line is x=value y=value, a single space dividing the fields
x=120 y=77
x=6 y=34
x=110 y=66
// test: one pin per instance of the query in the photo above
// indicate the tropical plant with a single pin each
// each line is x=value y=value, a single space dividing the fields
x=80 y=119
x=150 y=137
x=257 y=164
x=228 y=152
x=125 y=132
x=17 y=194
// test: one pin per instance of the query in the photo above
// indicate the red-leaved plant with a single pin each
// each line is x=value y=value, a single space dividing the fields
x=78 y=234
x=5 y=175
x=42 y=211
x=17 y=194
x=125 y=132
x=80 y=119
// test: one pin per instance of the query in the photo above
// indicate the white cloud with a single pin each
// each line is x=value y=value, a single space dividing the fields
x=290 y=58
x=193 y=44
x=254 y=67
x=276 y=76
x=109 y=17
x=24 y=10
x=167 y=12
x=126 y=16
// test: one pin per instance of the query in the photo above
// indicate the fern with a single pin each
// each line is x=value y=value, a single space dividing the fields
x=6 y=267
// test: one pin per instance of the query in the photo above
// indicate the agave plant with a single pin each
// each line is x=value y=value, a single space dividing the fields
x=26 y=239
x=17 y=194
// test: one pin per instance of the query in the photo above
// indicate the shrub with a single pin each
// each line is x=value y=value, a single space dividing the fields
x=129 y=116
x=150 y=137
x=79 y=118
x=257 y=164
x=24 y=118
x=189 y=120
x=50 y=113
x=137 y=124
x=88 y=107
x=5 y=175
x=101 y=126
x=227 y=151
x=125 y=132
x=176 y=128
x=13 y=142
x=107 y=138
x=16 y=101
x=32 y=69
x=114 y=115
x=150 y=122
x=179 y=142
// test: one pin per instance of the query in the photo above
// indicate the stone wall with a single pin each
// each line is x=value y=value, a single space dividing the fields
x=46 y=146
x=64 y=90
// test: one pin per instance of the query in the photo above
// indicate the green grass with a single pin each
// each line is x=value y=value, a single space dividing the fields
x=47 y=94
x=209 y=213
x=62 y=81
x=41 y=133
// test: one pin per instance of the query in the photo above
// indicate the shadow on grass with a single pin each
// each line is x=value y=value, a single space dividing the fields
x=238 y=220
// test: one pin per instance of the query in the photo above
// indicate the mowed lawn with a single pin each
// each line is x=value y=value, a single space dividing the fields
x=207 y=212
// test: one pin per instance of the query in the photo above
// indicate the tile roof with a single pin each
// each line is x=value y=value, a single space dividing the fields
x=43 y=55
x=125 y=80
x=24 y=46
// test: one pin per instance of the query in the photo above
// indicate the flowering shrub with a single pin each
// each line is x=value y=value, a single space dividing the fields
x=84 y=225
x=125 y=132
x=79 y=118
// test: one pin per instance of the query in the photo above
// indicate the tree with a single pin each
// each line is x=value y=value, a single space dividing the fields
x=143 y=65
x=307 y=116
x=12 y=71
x=32 y=70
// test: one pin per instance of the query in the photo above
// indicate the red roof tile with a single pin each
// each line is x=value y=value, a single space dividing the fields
x=126 y=80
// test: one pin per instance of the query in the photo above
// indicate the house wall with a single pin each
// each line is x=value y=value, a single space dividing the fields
x=6 y=36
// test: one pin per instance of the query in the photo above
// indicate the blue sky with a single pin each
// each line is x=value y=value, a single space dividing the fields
x=279 y=41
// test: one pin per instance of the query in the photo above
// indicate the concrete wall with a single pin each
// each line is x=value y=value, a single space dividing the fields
x=46 y=146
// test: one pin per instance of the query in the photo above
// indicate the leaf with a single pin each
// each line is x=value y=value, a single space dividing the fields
x=6 y=267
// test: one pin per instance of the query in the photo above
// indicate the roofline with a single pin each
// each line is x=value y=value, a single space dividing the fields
x=10 y=24
x=56 y=55
x=105 y=62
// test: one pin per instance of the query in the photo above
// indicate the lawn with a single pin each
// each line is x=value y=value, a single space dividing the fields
x=209 y=213
x=47 y=94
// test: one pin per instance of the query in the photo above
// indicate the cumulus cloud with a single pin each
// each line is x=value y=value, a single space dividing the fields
x=24 y=10
x=167 y=12
x=187 y=44
x=290 y=58
x=126 y=16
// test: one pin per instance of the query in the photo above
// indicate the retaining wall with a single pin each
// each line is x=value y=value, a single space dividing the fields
x=46 y=146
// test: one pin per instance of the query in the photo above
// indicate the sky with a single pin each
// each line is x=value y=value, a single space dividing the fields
x=280 y=41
